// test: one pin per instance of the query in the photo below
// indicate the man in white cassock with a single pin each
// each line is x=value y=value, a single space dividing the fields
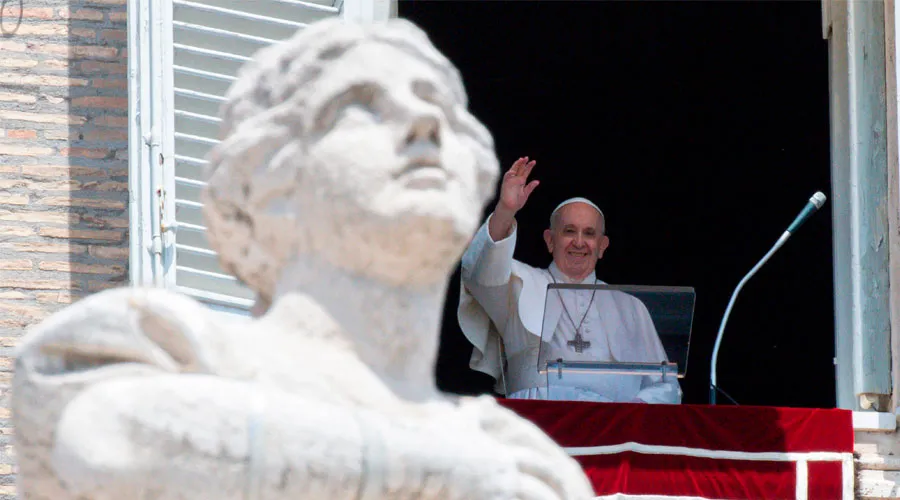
x=502 y=306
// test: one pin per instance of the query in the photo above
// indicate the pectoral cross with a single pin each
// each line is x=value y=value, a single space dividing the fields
x=579 y=343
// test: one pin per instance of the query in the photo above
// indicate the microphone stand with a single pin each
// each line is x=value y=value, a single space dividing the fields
x=715 y=356
x=815 y=203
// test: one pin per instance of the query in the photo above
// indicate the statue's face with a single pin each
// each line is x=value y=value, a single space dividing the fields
x=386 y=159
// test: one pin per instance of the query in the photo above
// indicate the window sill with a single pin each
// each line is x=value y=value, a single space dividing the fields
x=871 y=421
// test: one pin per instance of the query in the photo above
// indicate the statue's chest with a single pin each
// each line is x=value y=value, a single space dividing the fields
x=304 y=368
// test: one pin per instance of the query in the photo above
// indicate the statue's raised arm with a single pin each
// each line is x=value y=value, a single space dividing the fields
x=349 y=178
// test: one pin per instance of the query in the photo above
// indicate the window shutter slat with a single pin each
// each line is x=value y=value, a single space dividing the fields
x=211 y=40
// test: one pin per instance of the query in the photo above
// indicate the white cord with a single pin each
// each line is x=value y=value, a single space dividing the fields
x=715 y=356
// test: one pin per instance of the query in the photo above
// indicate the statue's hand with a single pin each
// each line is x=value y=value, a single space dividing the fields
x=546 y=470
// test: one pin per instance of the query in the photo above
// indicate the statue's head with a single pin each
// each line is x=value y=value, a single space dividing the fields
x=351 y=144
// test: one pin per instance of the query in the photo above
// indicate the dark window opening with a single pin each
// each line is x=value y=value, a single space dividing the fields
x=701 y=128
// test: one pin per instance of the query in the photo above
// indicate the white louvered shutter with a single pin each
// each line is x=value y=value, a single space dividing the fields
x=211 y=39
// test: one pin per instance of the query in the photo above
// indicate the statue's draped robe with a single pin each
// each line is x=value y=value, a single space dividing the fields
x=139 y=393
x=502 y=302
x=119 y=334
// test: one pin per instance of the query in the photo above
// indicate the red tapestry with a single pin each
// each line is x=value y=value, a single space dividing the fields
x=698 y=451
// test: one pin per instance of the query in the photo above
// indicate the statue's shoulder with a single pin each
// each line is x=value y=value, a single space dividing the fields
x=148 y=326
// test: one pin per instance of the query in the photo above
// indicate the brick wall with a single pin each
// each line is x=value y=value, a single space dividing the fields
x=63 y=166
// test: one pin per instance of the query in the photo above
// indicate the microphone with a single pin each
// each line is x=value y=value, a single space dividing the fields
x=814 y=204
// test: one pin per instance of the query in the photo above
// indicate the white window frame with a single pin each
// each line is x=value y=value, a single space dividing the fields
x=860 y=165
x=145 y=141
x=892 y=22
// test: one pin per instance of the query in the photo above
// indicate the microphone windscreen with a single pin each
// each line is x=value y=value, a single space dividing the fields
x=818 y=199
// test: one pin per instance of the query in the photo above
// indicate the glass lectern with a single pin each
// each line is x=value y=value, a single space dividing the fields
x=612 y=342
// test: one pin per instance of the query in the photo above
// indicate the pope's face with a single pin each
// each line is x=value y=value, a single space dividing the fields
x=389 y=161
x=577 y=241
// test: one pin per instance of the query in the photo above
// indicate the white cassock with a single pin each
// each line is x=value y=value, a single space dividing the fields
x=503 y=300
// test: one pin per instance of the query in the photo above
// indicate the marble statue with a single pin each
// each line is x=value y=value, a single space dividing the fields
x=349 y=179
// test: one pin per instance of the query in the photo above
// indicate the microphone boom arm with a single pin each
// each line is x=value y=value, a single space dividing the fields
x=814 y=204
x=712 y=379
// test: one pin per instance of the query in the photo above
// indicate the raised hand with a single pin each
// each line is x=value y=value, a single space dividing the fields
x=514 y=192
x=515 y=188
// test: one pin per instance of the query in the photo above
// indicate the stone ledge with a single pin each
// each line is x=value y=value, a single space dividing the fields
x=874 y=461
x=872 y=421
x=876 y=484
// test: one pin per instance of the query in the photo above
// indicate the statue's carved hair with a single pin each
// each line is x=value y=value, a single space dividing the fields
x=254 y=172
